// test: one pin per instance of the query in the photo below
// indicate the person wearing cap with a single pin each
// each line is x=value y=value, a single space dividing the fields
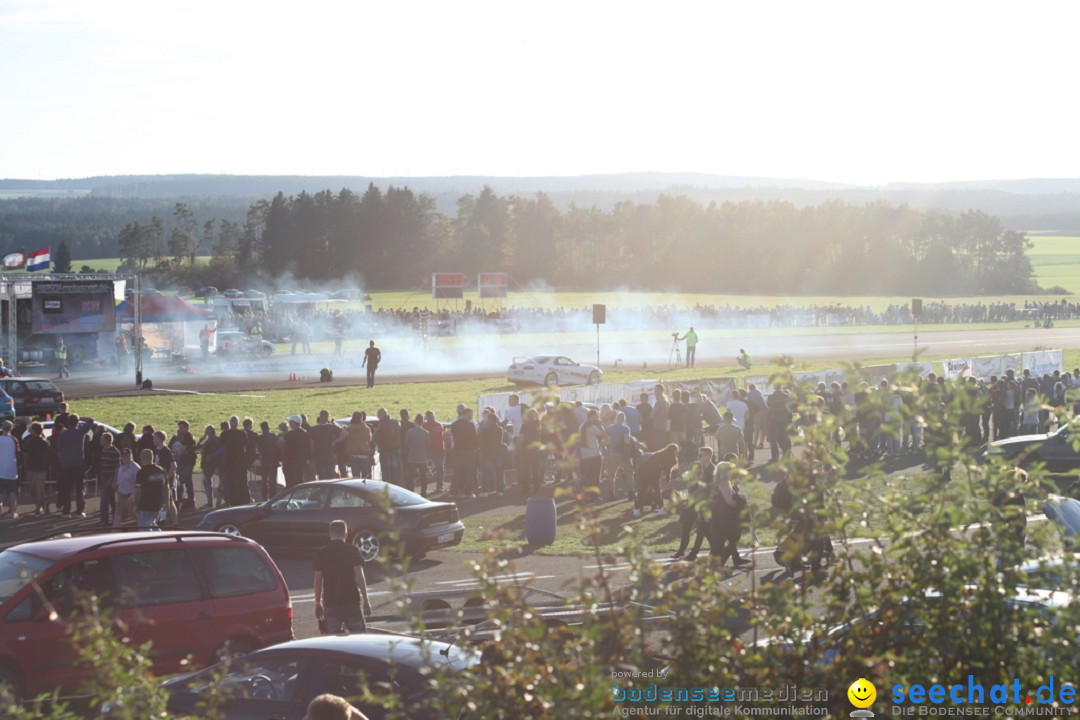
x=9 y=467
x=295 y=448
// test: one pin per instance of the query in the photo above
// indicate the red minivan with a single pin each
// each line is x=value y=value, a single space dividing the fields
x=197 y=597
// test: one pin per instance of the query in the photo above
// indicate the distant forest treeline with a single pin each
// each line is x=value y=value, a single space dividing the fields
x=1033 y=204
x=396 y=238
x=91 y=225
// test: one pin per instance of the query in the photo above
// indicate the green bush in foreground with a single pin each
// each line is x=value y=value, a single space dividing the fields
x=927 y=606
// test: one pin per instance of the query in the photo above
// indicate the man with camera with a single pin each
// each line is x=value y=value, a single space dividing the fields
x=691 y=339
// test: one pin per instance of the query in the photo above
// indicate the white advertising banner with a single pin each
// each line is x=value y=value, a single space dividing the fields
x=960 y=367
x=1043 y=362
x=984 y=368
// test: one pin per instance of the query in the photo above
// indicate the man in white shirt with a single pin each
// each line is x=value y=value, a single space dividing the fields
x=738 y=409
x=515 y=414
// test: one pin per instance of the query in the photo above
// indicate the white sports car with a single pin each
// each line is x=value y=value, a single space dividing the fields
x=553 y=370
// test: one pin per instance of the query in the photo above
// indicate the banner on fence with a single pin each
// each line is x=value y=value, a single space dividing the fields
x=987 y=367
x=1039 y=362
x=1042 y=362
x=961 y=367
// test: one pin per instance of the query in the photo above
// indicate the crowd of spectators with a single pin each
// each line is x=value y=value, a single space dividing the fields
x=315 y=323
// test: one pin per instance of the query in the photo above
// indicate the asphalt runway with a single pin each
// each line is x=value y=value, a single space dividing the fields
x=491 y=355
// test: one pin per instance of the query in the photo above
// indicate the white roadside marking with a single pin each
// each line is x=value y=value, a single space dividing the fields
x=310 y=597
x=501 y=579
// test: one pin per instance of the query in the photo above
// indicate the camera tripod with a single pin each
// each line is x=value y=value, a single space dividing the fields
x=676 y=353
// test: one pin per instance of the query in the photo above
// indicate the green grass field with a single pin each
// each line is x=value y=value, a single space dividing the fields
x=1056 y=260
x=163 y=409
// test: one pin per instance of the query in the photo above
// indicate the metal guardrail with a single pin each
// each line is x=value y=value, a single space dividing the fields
x=443 y=621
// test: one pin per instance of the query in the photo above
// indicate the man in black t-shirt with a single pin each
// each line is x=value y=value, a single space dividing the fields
x=372 y=358
x=151 y=491
x=340 y=584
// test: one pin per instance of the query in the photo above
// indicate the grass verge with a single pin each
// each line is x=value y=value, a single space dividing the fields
x=162 y=409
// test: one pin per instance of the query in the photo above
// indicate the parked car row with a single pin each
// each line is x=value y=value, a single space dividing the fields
x=206 y=595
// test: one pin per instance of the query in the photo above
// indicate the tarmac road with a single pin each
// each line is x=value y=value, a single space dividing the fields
x=404 y=363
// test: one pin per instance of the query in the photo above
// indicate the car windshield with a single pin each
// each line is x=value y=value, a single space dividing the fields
x=16 y=570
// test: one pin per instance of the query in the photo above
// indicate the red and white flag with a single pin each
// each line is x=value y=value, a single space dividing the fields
x=38 y=260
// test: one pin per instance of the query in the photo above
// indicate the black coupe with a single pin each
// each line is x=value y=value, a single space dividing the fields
x=383 y=519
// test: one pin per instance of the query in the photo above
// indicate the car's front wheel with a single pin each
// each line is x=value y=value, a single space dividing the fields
x=594 y=378
x=10 y=687
x=551 y=380
x=369 y=546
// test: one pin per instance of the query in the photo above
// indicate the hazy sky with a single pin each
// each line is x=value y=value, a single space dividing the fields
x=867 y=91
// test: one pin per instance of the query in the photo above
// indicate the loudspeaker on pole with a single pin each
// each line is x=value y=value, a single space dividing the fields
x=916 y=308
x=599 y=313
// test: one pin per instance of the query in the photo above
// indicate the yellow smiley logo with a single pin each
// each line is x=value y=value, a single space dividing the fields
x=862 y=693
